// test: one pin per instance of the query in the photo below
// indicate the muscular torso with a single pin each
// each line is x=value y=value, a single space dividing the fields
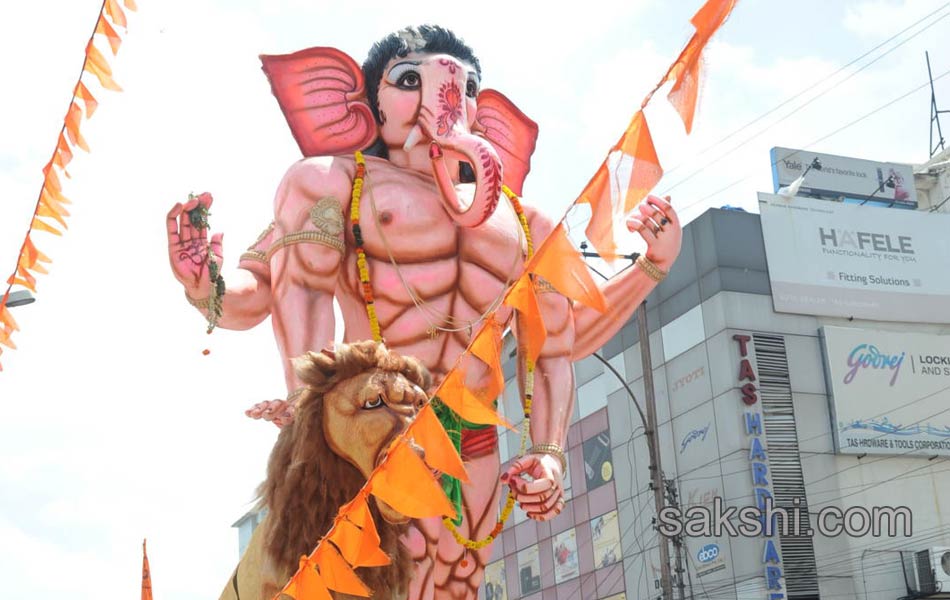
x=455 y=275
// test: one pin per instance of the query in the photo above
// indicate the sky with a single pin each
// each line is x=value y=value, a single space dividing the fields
x=115 y=426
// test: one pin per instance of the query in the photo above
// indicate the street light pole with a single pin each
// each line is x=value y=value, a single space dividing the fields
x=656 y=467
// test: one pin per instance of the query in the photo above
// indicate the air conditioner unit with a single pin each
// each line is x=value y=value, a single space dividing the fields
x=933 y=570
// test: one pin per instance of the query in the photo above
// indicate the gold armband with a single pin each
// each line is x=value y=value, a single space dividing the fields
x=317 y=237
x=552 y=449
x=203 y=304
x=652 y=271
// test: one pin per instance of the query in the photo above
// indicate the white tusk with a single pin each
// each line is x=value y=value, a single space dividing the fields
x=415 y=134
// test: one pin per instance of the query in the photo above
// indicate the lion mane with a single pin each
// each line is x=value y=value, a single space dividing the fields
x=307 y=482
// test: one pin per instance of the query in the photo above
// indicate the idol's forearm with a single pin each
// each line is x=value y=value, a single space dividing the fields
x=624 y=294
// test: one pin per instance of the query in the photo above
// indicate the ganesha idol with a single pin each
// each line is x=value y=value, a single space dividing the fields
x=406 y=210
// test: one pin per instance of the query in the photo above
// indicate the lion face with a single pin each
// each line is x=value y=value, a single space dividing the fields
x=362 y=416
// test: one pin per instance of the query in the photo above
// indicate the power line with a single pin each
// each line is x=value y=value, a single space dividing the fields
x=809 y=101
x=822 y=138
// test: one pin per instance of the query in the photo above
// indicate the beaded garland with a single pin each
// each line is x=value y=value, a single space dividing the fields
x=367 y=288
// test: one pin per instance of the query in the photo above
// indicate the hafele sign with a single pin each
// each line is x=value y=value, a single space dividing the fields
x=842 y=176
x=889 y=391
x=827 y=258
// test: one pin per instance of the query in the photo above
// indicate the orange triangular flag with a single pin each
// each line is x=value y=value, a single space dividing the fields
x=530 y=323
x=639 y=156
x=559 y=263
x=29 y=253
x=96 y=58
x=406 y=484
x=24 y=278
x=45 y=210
x=456 y=396
x=115 y=13
x=685 y=71
x=600 y=228
x=6 y=341
x=337 y=574
x=38 y=224
x=63 y=153
x=105 y=78
x=130 y=4
x=146 y=576
x=306 y=584
x=440 y=454
x=486 y=346
x=73 y=119
x=107 y=30
x=54 y=197
x=9 y=323
x=88 y=99
x=356 y=536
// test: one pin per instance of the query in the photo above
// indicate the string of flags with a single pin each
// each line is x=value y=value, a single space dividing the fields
x=50 y=212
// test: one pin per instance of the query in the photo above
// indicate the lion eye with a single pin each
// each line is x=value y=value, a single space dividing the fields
x=375 y=403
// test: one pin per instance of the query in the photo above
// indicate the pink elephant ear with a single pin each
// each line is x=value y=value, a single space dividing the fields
x=322 y=95
x=512 y=134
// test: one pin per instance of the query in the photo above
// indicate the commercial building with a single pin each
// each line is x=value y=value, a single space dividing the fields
x=820 y=433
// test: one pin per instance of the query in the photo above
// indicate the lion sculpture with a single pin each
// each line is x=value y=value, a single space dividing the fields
x=357 y=400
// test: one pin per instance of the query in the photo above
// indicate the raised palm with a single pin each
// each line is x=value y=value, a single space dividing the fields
x=188 y=246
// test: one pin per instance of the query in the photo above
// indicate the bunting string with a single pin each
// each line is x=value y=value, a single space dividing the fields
x=402 y=479
x=49 y=212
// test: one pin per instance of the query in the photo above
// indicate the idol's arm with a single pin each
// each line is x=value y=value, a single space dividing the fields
x=304 y=273
x=246 y=301
x=626 y=291
x=552 y=401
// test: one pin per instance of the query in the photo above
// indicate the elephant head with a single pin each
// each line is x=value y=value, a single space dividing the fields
x=420 y=86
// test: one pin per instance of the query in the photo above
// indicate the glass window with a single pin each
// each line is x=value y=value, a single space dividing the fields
x=494 y=586
x=598 y=463
x=529 y=570
x=566 y=565
x=605 y=539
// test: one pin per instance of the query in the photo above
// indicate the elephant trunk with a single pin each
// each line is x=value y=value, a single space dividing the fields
x=444 y=119
x=487 y=167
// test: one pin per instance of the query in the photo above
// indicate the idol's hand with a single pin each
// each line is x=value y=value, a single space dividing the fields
x=188 y=247
x=543 y=498
x=279 y=412
x=659 y=226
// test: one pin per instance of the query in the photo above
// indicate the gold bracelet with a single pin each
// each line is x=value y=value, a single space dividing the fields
x=652 y=271
x=203 y=304
x=295 y=394
x=552 y=449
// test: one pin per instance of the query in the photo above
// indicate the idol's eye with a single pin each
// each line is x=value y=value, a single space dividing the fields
x=374 y=403
x=405 y=76
x=409 y=80
x=471 y=88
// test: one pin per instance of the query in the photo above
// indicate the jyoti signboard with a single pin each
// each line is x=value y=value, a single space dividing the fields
x=890 y=392
x=842 y=176
x=828 y=258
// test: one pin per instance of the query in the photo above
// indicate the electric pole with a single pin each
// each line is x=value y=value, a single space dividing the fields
x=653 y=441
x=672 y=498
